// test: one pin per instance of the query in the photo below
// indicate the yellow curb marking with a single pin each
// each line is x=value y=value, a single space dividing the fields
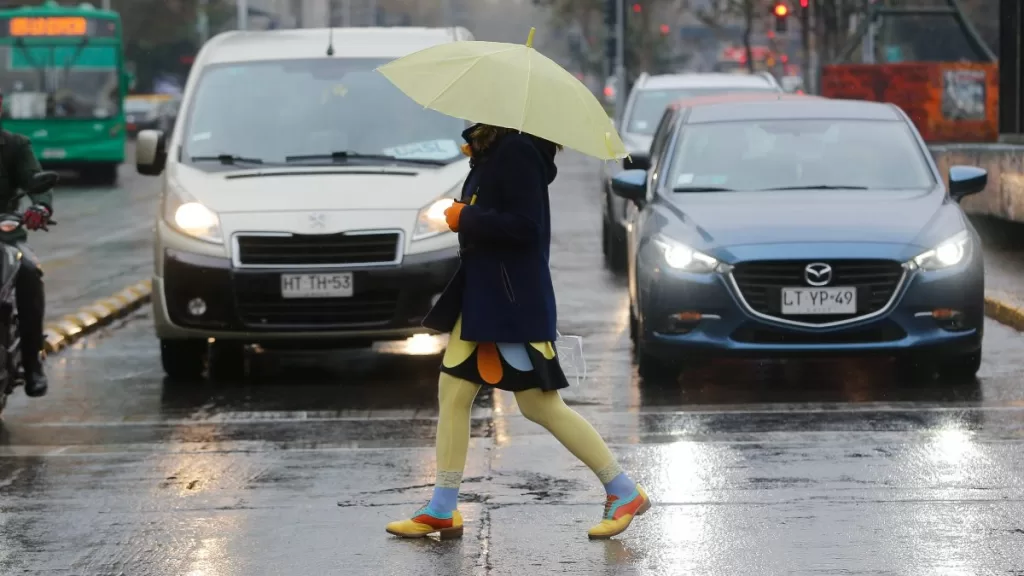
x=1004 y=313
x=62 y=333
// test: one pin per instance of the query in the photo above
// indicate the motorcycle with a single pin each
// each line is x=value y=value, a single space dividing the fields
x=12 y=373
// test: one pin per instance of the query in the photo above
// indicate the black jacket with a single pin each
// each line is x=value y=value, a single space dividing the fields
x=503 y=285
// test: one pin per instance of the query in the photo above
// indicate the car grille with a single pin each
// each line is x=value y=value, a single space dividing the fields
x=886 y=331
x=761 y=284
x=318 y=249
x=260 y=305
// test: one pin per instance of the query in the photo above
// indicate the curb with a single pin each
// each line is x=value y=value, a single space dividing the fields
x=61 y=333
x=1004 y=313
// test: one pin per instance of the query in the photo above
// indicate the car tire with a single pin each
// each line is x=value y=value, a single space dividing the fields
x=961 y=369
x=227 y=361
x=634 y=328
x=654 y=369
x=614 y=248
x=183 y=359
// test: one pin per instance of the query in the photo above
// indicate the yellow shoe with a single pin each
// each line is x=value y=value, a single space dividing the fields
x=426 y=522
x=618 y=514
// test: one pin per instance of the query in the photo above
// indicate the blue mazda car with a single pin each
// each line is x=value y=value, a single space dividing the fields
x=801 y=226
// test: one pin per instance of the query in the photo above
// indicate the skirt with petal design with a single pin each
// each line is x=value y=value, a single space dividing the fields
x=509 y=366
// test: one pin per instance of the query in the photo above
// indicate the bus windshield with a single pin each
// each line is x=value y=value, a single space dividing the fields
x=59 y=81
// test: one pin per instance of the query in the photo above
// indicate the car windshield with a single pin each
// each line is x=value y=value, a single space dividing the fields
x=273 y=111
x=138 y=106
x=59 y=81
x=650 y=104
x=760 y=155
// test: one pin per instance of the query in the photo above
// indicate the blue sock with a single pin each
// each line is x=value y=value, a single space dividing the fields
x=444 y=500
x=621 y=486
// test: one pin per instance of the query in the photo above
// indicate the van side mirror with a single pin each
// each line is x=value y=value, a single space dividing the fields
x=150 y=152
x=966 y=180
x=637 y=161
x=631 y=185
x=42 y=181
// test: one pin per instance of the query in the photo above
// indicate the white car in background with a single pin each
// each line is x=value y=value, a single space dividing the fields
x=643 y=111
x=302 y=198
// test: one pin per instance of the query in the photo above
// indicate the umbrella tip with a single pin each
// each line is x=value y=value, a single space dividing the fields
x=529 y=39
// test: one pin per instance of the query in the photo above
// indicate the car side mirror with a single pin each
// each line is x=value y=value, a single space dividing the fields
x=637 y=161
x=631 y=185
x=966 y=180
x=42 y=181
x=150 y=152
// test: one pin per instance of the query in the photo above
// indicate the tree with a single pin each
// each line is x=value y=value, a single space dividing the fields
x=644 y=45
x=722 y=11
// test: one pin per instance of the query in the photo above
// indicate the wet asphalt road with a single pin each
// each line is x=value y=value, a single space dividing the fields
x=102 y=240
x=824 y=468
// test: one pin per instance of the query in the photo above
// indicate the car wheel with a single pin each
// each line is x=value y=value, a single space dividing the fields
x=227 y=361
x=633 y=327
x=654 y=369
x=961 y=369
x=183 y=359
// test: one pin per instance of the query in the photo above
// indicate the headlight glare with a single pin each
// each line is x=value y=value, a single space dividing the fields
x=949 y=253
x=191 y=217
x=682 y=257
x=431 y=221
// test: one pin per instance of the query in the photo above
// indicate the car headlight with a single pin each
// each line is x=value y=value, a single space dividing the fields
x=682 y=257
x=190 y=217
x=431 y=221
x=949 y=253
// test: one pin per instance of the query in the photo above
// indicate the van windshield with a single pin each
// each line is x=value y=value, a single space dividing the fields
x=303 y=111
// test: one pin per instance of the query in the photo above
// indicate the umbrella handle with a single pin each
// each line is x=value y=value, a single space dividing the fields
x=529 y=39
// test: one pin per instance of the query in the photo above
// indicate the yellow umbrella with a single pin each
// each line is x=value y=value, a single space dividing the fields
x=508 y=85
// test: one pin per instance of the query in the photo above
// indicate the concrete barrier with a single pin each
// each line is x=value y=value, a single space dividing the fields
x=1004 y=197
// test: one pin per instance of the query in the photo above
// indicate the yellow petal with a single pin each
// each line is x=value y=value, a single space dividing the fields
x=545 y=348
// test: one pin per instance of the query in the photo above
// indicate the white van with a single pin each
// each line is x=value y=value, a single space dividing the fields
x=302 y=197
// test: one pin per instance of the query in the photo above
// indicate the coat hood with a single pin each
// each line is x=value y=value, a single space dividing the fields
x=545 y=148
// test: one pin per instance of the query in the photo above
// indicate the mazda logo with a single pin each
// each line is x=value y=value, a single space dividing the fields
x=317 y=220
x=818 y=274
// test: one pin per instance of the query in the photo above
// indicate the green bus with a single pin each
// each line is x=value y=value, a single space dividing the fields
x=63 y=79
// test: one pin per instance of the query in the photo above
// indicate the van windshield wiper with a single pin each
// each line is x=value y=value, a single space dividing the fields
x=702 y=189
x=818 y=187
x=344 y=156
x=227 y=159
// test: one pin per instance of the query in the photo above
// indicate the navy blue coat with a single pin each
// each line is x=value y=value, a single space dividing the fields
x=503 y=285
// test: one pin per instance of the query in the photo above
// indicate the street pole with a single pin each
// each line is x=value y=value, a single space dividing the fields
x=373 y=12
x=620 y=59
x=106 y=4
x=203 y=22
x=446 y=14
x=814 y=61
x=346 y=13
x=243 y=13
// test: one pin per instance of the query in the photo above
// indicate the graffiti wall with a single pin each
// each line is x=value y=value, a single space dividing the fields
x=948 y=101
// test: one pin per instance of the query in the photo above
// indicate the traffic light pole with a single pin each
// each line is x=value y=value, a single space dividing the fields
x=620 y=59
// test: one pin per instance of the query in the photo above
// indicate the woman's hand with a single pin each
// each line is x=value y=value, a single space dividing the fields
x=451 y=215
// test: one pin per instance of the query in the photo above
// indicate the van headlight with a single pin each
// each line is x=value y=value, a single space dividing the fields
x=682 y=257
x=948 y=253
x=430 y=221
x=190 y=217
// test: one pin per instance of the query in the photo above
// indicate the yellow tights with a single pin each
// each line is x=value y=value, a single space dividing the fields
x=545 y=408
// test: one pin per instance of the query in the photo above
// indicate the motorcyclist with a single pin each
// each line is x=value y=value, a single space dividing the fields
x=18 y=164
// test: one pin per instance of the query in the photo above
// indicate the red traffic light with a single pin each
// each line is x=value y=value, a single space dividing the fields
x=637 y=8
x=781 y=10
x=664 y=29
x=804 y=3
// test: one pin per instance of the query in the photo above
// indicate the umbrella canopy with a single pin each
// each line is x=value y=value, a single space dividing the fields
x=508 y=85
